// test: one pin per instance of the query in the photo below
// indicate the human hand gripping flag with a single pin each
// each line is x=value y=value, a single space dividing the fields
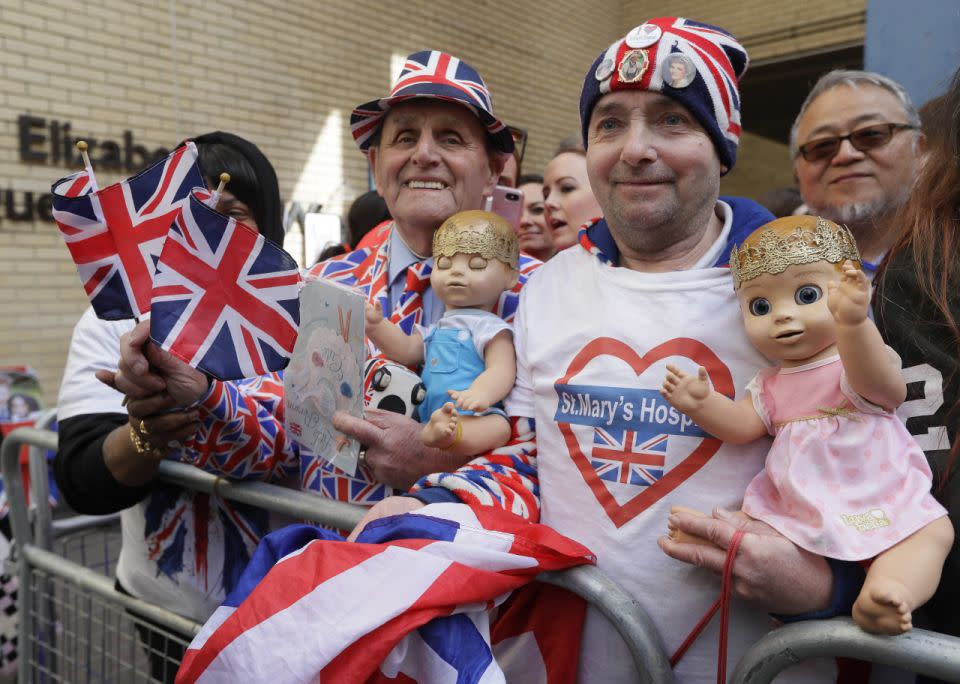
x=411 y=601
x=225 y=299
x=115 y=234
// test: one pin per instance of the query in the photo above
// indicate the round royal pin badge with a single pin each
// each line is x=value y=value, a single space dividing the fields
x=604 y=69
x=633 y=66
x=643 y=36
x=678 y=70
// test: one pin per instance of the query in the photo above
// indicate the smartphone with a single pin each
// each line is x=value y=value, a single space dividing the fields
x=508 y=203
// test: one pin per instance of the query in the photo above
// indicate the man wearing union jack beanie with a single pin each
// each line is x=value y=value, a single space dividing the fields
x=597 y=452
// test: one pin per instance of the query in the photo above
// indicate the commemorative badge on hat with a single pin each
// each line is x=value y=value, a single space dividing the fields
x=440 y=76
x=694 y=63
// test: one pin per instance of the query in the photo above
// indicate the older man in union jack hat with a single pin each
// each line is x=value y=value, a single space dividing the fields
x=598 y=453
x=435 y=148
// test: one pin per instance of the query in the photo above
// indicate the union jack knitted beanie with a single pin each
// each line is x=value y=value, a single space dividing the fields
x=694 y=63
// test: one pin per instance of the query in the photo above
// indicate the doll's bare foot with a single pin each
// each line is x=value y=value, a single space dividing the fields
x=441 y=429
x=882 y=607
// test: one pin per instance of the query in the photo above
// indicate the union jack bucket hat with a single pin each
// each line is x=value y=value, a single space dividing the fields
x=694 y=63
x=440 y=76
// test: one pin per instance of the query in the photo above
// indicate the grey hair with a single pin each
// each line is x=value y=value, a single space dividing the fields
x=853 y=78
x=572 y=143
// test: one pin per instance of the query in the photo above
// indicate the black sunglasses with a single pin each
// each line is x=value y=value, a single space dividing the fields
x=863 y=139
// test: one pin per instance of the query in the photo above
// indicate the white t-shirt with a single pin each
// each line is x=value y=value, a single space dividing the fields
x=196 y=590
x=592 y=342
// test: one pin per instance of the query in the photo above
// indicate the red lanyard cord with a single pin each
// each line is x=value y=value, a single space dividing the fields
x=723 y=605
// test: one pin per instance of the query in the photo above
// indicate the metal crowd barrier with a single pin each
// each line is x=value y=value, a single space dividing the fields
x=48 y=621
x=927 y=653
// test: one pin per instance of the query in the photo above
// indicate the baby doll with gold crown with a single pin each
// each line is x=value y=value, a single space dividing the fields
x=843 y=479
x=468 y=355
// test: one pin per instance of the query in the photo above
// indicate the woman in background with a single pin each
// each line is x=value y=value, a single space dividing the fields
x=567 y=194
x=917 y=309
x=536 y=239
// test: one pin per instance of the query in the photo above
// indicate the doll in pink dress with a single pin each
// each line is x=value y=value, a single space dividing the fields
x=843 y=478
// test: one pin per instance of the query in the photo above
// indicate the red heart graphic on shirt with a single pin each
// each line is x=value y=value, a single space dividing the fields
x=694 y=350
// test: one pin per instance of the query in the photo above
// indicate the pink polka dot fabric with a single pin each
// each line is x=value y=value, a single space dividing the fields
x=843 y=478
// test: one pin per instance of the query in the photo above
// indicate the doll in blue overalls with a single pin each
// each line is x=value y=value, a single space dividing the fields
x=469 y=363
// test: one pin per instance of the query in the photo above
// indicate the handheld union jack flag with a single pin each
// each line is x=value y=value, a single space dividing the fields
x=115 y=235
x=225 y=299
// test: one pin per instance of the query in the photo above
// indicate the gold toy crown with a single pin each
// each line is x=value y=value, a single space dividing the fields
x=774 y=253
x=477 y=232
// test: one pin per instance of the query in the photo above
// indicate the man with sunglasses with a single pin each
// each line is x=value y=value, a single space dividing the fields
x=856 y=146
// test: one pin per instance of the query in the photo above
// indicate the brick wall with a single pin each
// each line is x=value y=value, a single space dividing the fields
x=767 y=29
x=283 y=74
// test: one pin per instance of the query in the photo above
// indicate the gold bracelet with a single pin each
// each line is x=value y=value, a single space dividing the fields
x=142 y=445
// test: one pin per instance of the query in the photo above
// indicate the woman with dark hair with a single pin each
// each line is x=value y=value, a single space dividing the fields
x=181 y=549
x=536 y=239
x=917 y=309
x=253 y=193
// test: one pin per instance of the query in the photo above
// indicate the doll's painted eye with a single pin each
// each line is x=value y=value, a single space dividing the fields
x=478 y=263
x=759 y=306
x=808 y=294
x=444 y=262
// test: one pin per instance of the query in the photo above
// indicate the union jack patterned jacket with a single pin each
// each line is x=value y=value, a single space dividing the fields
x=250 y=412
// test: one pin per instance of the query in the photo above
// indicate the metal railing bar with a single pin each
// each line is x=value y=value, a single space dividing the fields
x=635 y=625
x=928 y=653
x=292 y=502
x=102 y=586
x=80 y=523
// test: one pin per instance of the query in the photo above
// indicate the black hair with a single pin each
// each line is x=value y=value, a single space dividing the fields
x=252 y=178
x=367 y=212
x=31 y=402
x=530 y=178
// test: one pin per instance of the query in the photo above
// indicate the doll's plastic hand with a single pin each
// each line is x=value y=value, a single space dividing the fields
x=373 y=313
x=470 y=400
x=849 y=299
x=684 y=391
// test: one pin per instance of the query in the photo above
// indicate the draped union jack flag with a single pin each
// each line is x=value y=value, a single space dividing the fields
x=225 y=299
x=628 y=457
x=115 y=235
x=410 y=602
